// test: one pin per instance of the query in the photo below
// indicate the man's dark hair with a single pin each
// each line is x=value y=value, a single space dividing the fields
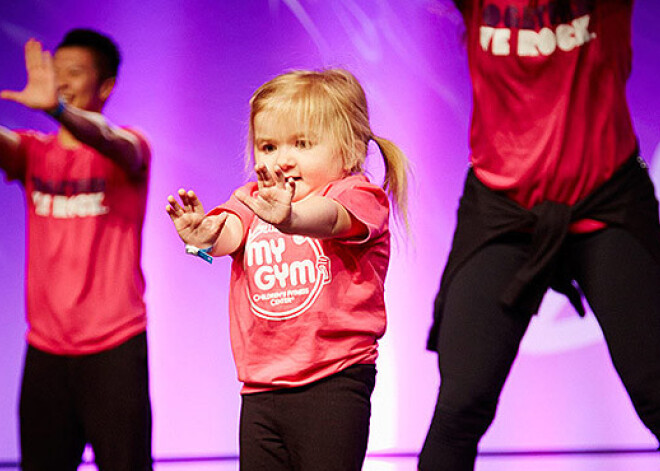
x=106 y=53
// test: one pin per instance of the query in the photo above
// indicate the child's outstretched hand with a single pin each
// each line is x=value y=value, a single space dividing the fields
x=191 y=222
x=273 y=201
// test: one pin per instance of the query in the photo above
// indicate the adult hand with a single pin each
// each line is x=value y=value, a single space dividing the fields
x=41 y=90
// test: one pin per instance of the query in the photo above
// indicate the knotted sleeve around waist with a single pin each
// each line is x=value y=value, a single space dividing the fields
x=627 y=200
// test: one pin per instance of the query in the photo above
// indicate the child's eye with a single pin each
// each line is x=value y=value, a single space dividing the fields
x=303 y=144
x=266 y=148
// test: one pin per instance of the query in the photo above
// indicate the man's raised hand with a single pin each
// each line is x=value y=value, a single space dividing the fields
x=40 y=92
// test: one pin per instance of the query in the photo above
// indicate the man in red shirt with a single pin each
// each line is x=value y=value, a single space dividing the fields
x=556 y=197
x=85 y=378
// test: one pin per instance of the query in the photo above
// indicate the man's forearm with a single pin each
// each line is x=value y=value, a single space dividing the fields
x=94 y=130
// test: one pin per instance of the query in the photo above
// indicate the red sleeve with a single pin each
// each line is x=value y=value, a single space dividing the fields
x=365 y=201
x=237 y=208
x=15 y=164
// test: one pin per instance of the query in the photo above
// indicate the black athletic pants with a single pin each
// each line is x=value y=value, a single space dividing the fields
x=323 y=426
x=101 y=399
x=479 y=339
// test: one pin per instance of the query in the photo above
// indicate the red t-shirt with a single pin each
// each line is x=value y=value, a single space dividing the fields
x=303 y=308
x=84 y=223
x=550 y=118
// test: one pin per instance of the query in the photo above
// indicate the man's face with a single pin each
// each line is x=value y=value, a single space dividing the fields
x=77 y=78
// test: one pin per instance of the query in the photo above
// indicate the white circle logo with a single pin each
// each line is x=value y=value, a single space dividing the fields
x=285 y=273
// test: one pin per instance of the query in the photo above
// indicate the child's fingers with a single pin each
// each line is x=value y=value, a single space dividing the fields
x=193 y=200
x=193 y=203
x=264 y=176
x=187 y=199
x=183 y=196
x=175 y=207
x=172 y=212
x=280 y=179
x=291 y=186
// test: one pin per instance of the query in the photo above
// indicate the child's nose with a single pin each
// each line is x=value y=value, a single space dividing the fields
x=285 y=159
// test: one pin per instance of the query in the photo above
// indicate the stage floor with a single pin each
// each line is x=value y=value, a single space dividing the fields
x=646 y=461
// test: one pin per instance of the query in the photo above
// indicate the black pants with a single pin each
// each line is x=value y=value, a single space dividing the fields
x=323 y=426
x=101 y=399
x=479 y=339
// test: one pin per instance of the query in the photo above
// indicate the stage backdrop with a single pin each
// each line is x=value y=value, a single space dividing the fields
x=189 y=69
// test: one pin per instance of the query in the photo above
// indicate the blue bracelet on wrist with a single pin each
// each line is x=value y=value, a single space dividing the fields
x=58 y=110
x=201 y=253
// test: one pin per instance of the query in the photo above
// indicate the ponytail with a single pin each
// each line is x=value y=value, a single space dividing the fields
x=395 y=182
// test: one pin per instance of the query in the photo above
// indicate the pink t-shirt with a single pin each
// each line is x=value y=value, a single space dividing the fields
x=84 y=225
x=550 y=118
x=303 y=308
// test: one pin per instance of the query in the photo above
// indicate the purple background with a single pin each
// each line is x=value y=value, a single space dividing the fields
x=189 y=69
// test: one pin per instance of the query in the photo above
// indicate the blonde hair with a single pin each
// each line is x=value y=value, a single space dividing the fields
x=333 y=101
